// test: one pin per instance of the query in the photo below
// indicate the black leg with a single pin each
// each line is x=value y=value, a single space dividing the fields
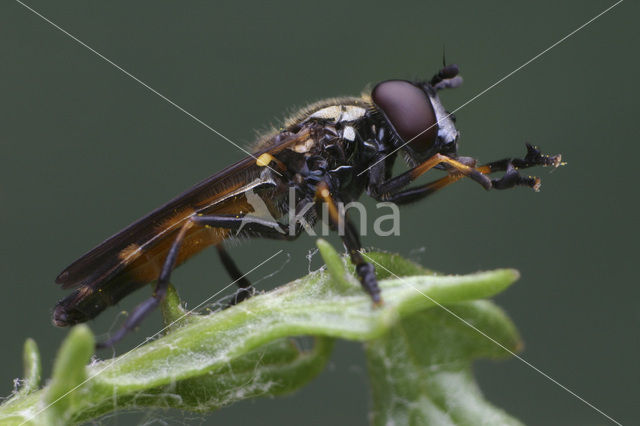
x=533 y=158
x=246 y=289
x=249 y=224
x=383 y=190
x=364 y=269
x=416 y=193
x=257 y=226
x=510 y=179
x=146 y=307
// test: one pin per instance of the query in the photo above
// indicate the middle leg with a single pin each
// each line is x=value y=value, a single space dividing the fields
x=364 y=269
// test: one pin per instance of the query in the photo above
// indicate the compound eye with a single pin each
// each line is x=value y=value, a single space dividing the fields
x=409 y=111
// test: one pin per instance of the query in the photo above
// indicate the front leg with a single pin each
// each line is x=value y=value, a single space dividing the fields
x=510 y=179
x=533 y=158
x=365 y=270
x=455 y=166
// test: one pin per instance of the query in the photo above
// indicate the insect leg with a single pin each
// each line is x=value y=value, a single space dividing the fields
x=250 y=224
x=510 y=179
x=147 y=306
x=254 y=225
x=262 y=227
x=511 y=165
x=246 y=289
x=395 y=184
x=364 y=269
x=533 y=158
x=416 y=193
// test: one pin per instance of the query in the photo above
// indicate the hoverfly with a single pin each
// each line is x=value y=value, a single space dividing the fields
x=331 y=151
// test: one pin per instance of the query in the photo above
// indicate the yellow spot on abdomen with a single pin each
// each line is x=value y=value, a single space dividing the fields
x=129 y=253
x=264 y=160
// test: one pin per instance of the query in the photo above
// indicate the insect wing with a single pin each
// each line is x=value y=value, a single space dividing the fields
x=112 y=255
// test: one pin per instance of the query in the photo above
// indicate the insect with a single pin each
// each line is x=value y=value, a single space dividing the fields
x=331 y=151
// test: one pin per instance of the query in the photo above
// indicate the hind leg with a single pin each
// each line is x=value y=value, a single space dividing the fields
x=160 y=291
x=246 y=290
x=264 y=228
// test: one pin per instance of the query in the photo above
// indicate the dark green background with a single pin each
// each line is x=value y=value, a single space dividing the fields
x=85 y=150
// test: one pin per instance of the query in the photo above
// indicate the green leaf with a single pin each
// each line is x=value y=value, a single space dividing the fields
x=172 y=310
x=276 y=368
x=421 y=369
x=66 y=391
x=207 y=361
x=32 y=367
